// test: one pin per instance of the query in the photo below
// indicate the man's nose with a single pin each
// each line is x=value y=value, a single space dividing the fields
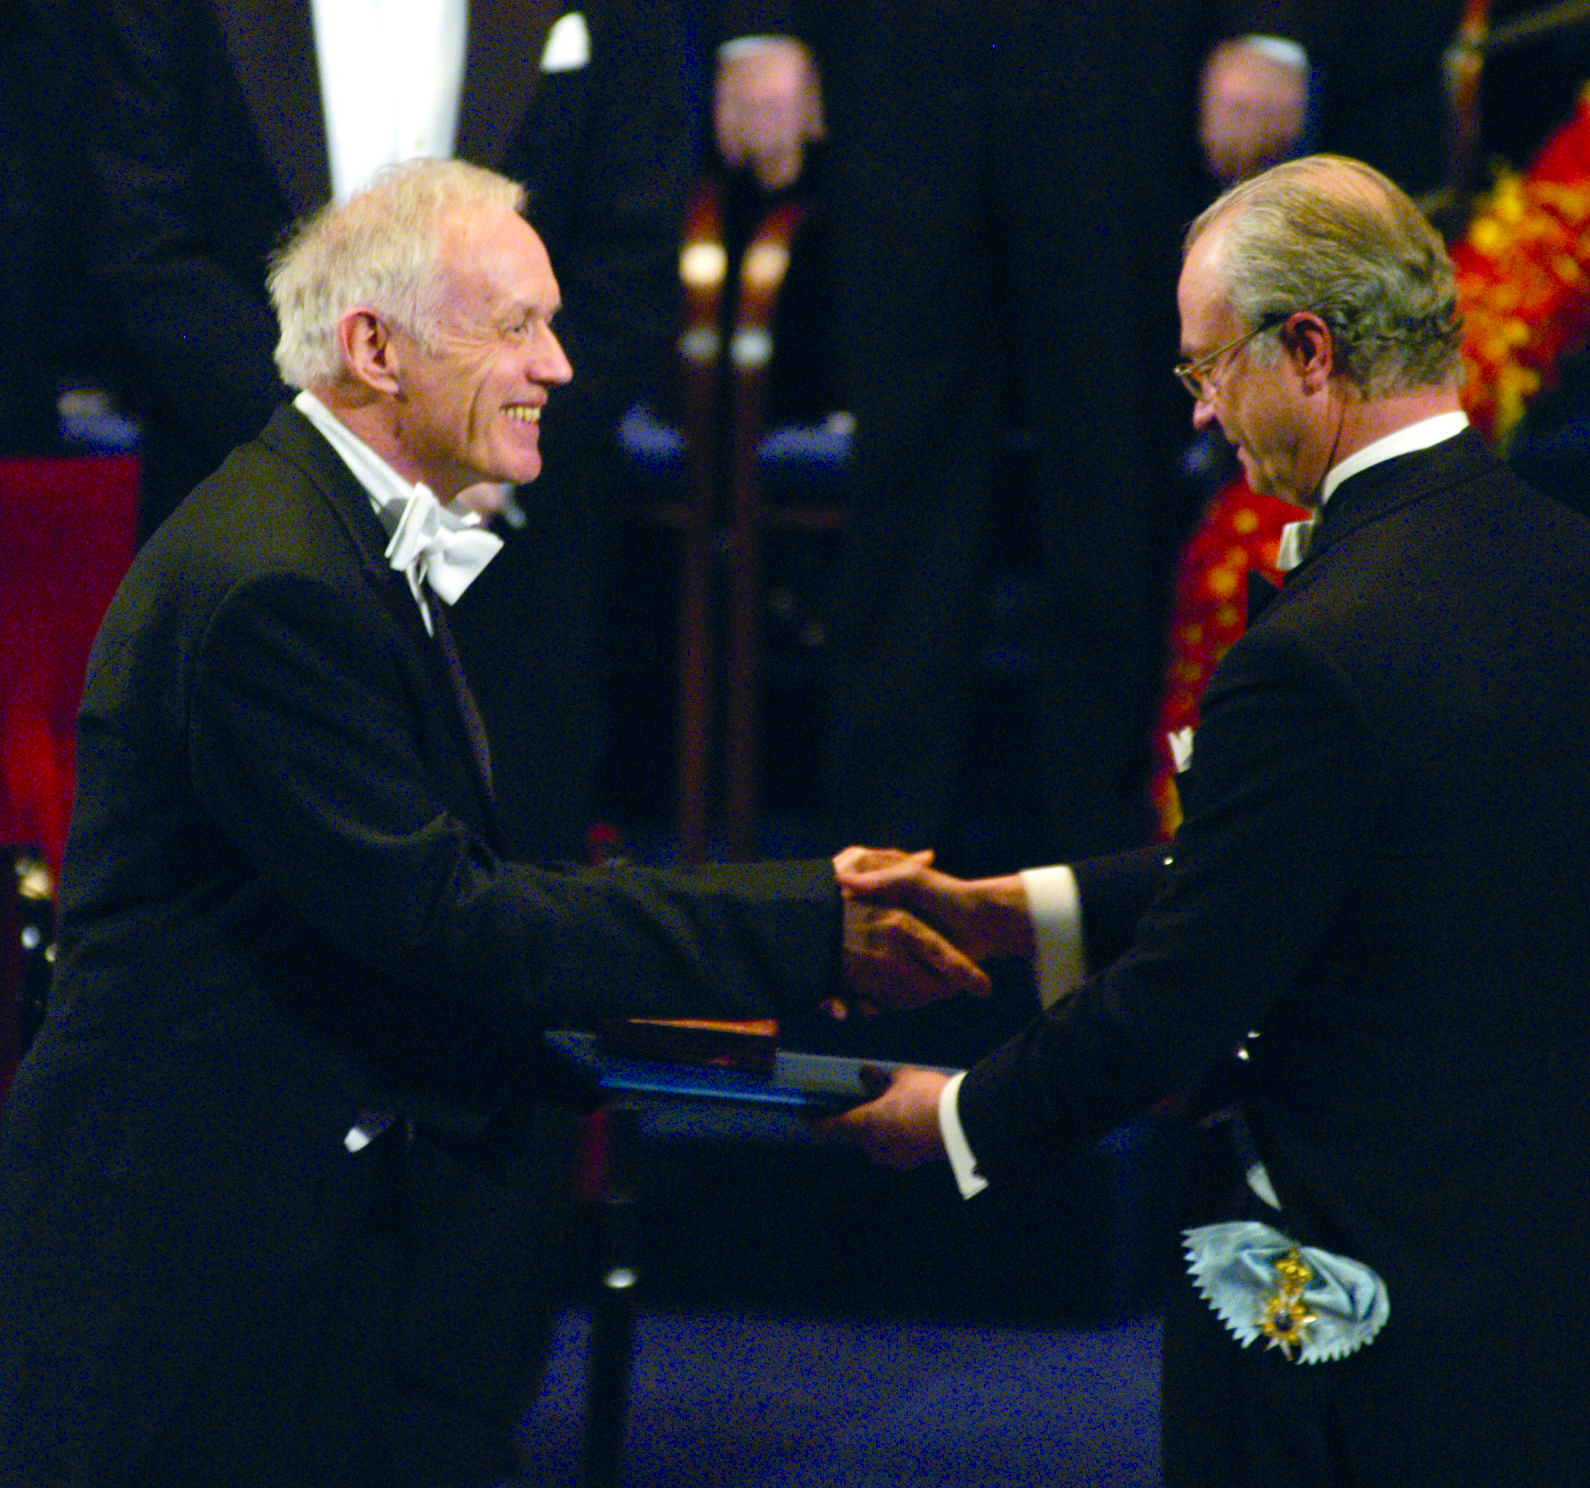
x=550 y=363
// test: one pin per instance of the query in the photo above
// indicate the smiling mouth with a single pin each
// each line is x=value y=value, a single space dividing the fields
x=523 y=414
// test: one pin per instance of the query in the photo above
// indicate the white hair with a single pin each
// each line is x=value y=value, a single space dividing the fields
x=1332 y=235
x=380 y=250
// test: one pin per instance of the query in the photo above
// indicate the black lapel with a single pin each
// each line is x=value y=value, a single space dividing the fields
x=1261 y=590
x=294 y=436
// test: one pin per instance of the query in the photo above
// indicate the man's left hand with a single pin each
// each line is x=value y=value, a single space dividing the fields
x=900 y=1127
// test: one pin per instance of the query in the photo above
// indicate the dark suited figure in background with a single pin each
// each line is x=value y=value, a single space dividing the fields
x=1005 y=183
x=220 y=122
x=267 y=1176
x=1373 y=78
x=1378 y=895
x=53 y=319
x=30 y=218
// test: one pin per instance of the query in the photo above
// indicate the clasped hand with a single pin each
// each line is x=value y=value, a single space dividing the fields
x=913 y=934
x=894 y=959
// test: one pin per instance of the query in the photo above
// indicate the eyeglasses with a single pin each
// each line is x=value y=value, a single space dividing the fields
x=1191 y=375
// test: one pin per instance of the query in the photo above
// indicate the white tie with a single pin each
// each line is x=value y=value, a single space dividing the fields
x=1294 y=544
x=433 y=546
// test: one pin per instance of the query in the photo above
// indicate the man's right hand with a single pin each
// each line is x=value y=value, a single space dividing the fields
x=987 y=918
x=894 y=962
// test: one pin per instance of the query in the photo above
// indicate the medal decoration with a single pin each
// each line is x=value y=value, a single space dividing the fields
x=1286 y=1318
x=1311 y=1304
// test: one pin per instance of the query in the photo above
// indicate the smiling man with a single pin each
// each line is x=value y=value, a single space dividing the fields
x=267 y=1177
x=449 y=388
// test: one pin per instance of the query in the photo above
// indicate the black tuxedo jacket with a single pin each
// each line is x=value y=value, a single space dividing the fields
x=209 y=139
x=281 y=906
x=1382 y=875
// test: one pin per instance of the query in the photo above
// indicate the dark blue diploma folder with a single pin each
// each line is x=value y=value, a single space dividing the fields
x=813 y=1084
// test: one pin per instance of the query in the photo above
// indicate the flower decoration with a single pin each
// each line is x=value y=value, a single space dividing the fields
x=1523 y=275
x=1239 y=535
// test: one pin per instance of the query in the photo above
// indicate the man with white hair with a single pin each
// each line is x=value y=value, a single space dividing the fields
x=263 y=1174
x=218 y=123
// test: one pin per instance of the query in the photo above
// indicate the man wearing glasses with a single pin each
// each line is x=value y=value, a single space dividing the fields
x=1362 y=964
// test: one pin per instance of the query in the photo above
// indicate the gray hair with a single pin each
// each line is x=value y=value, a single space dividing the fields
x=1334 y=236
x=380 y=250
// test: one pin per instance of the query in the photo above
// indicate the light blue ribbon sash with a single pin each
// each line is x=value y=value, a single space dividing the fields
x=1262 y=1284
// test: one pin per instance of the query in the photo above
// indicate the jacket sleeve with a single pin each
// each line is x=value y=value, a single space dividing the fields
x=310 y=752
x=1115 y=892
x=1284 y=790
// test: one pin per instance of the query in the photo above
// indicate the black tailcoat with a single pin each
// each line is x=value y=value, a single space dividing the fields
x=1380 y=888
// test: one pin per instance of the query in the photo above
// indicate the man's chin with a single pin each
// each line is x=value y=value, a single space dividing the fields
x=518 y=470
x=1259 y=481
x=485 y=499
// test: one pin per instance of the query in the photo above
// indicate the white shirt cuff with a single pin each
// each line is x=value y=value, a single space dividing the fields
x=1059 y=960
x=1280 y=49
x=742 y=46
x=962 y=1163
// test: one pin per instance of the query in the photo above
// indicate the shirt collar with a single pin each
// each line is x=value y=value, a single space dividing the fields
x=433 y=546
x=1422 y=435
x=389 y=493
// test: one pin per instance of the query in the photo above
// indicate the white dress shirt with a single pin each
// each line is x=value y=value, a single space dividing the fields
x=391 y=76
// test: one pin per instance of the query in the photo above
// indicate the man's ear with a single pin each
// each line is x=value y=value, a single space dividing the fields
x=1311 y=348
x=369 y=350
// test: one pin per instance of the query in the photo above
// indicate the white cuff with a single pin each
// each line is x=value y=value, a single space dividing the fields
x=962 y=1163
x=1280 y=49
x=1059 y=960
x=742 y=46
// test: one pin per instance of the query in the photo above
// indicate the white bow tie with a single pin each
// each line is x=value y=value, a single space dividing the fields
x=433 y=546
x=1296 y=539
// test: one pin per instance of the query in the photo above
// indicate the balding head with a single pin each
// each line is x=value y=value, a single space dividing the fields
x=1334 y=236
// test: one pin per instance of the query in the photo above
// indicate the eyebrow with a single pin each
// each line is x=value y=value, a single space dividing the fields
x=517 y=313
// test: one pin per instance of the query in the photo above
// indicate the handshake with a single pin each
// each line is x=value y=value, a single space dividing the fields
x=913 y=935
